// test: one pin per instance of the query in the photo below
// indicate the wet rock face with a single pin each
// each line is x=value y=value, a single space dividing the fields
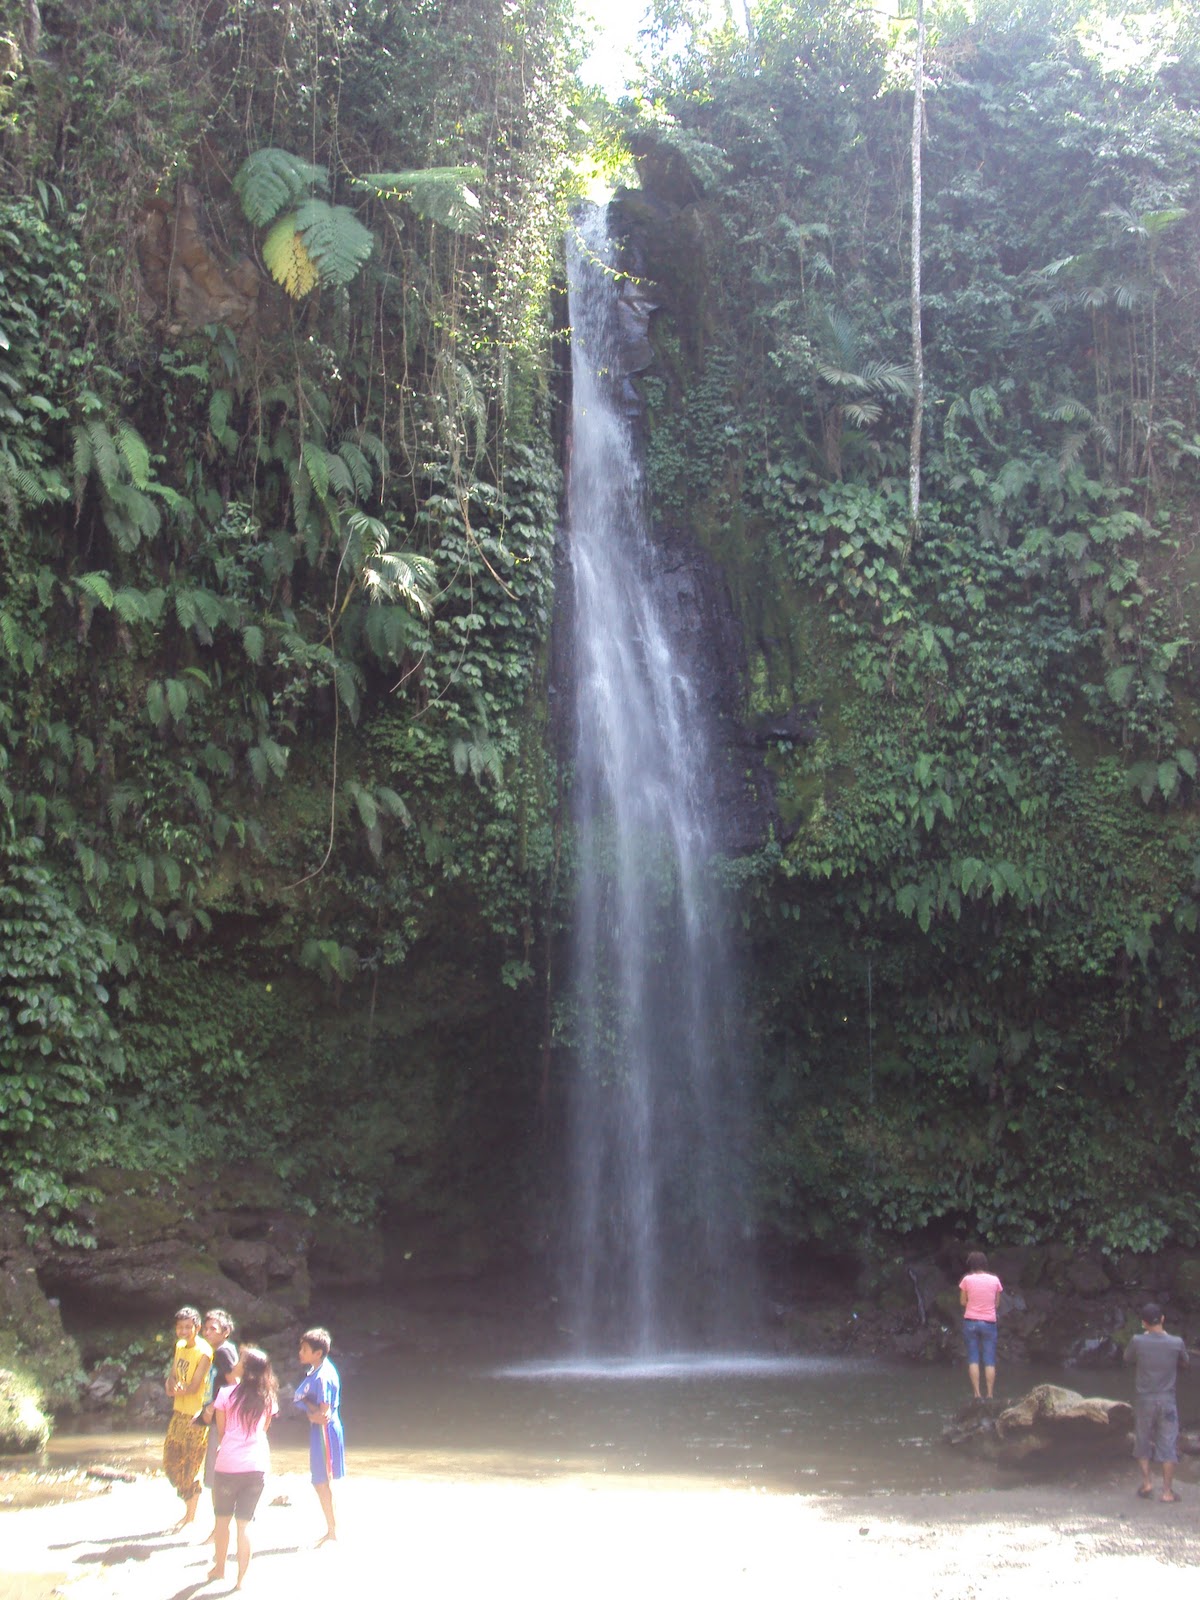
x=698 y=613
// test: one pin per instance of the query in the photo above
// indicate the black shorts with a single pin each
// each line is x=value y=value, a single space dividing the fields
x=236 y=1494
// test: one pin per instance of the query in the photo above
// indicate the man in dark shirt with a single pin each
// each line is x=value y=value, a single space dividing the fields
x=218 y=1330
x=1157 y=1356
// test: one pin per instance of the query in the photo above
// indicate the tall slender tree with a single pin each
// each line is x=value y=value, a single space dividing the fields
x=918 y=353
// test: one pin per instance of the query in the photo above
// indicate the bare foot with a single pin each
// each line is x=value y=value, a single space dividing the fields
x=1168 y=1499
x=215 y=1574
x=326 y=1538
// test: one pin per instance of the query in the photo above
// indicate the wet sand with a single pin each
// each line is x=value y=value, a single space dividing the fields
x=590 y=1538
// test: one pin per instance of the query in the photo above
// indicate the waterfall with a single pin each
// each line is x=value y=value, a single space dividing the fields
x=656 y=1255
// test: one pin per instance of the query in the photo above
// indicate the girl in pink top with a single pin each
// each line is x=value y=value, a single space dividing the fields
x=242 y=1414
x=978 y=1294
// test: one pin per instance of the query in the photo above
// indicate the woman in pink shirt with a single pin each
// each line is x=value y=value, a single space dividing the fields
x=242 y=1414
x=978 y=1294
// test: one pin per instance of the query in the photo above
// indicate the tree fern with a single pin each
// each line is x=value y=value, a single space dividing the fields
x=271 y=179
x=439 y=194
x=336 y=241
x=288 y=260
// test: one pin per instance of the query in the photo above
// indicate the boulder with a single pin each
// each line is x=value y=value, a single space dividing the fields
x=1049 y=1425
x=24 y=1426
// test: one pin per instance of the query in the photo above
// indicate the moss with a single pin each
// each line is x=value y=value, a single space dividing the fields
x=24 y=1425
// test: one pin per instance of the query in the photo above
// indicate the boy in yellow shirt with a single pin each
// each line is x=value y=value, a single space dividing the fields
x=184 y=1446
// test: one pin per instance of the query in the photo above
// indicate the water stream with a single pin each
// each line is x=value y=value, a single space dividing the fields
x=655 y=1258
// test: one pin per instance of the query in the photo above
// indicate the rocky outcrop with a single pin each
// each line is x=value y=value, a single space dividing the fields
x=158 y=1246
x=1049 y=1424
x=183 y=272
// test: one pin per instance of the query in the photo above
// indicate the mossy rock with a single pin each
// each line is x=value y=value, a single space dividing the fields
x=33 y=1341
x=24 y=1426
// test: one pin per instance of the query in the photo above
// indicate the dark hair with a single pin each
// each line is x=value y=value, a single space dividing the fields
x=187 y=1314
x=222 y=1318
x=1152 y=1312
x=256 y=1392
x=977 y=1261
x=317 y=1339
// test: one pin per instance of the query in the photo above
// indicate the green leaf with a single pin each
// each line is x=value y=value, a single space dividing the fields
x=270 y=179
x=336 y=241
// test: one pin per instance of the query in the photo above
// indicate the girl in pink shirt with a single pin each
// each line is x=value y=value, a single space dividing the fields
x=978 y=1294
x=242 y=1414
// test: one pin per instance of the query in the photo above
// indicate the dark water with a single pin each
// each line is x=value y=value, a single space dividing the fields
x=801 y=1425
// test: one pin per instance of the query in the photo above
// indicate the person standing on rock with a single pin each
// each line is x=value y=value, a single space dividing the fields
x=1157 y=1356
x=318 y=1395
x=979 y=1294
x=185 y=1444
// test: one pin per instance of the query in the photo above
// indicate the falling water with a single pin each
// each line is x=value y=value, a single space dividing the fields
x=656 y=1256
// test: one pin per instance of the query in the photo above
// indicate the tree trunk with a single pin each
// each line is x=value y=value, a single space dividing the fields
x=918 y=354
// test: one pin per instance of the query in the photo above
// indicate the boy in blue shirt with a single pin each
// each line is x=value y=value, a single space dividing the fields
x=318 y=1395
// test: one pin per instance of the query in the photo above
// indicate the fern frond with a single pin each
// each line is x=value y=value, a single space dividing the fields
x=105 y=456
x=373 y=446
x=335 y=239
x=357 y=466
x=271 y=179
x=439 y=194
x=341 y=480
x=317 y=464
x=97 y=586
x=288 y=260
x=82 y=459
x=136 y=456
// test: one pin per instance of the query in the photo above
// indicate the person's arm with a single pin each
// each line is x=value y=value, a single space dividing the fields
x=198 y=1377
x=1130 y=1354
x=962 y=1297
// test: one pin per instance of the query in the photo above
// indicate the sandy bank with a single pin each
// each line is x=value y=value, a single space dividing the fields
x=589 y=1537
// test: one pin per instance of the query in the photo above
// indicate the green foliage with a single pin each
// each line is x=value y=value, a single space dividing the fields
x=59 y=1050
x=970 y=945
x=269 y=564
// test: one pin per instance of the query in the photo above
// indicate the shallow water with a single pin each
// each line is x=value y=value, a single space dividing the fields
x=818 y=1425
